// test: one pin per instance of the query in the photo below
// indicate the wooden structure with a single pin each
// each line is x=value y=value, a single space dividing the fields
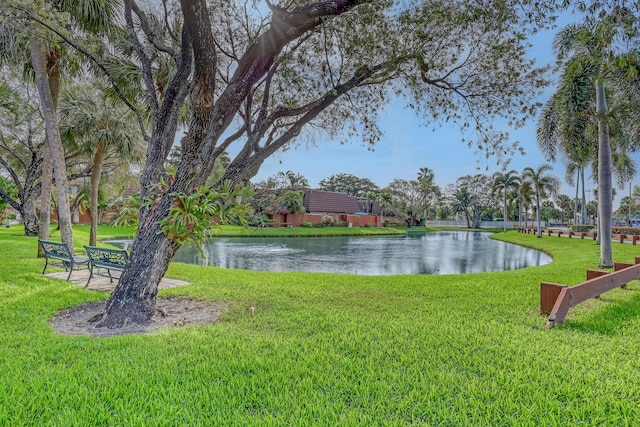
x=633 y=238
x=328 y=207
x=556 y=299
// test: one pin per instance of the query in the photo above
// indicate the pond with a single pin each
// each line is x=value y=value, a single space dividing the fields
x=445 y=252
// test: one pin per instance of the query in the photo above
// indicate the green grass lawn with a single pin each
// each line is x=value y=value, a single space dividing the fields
x=325 y=349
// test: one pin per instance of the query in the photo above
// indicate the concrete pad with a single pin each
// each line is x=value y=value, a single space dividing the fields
x=99 y=283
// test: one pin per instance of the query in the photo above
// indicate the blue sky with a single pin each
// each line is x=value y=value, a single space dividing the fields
x=406 y=146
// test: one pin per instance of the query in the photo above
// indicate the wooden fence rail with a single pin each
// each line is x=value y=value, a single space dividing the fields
x=633 y=238
x=557 y=299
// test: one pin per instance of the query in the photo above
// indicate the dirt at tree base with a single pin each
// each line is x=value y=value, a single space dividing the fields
x=171 y=312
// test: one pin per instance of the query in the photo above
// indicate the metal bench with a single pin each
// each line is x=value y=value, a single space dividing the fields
x=59 y=255
x=104 y=258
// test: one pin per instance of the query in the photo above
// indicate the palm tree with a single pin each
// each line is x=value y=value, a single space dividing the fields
x=102 y=127
x=426 y=174
x=46 y=55
x=385 y=199
x=462 y=203
x=504 y=183
x=525 y=196
x=294 y=181
x=543 y=186
x=589 y=60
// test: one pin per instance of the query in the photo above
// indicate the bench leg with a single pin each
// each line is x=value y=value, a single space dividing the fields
x=90 y=275
x=70 y=271
x=46 y=263
x=110 y=277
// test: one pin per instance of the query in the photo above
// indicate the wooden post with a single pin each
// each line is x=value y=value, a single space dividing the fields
x=560 y=308
x=548 y=295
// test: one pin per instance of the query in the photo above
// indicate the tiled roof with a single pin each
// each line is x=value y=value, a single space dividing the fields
x=326 y=201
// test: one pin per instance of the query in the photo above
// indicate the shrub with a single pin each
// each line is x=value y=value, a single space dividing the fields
x=626 y=230
x=307 y=224
x=339 y=224
x=582 y=228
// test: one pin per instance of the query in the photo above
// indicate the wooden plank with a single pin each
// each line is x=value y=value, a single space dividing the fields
x=548 y=295
x=592 y=274
x=560 y=308
x=594 y=287
x=617 y=266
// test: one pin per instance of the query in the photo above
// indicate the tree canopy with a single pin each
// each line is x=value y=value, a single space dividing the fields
x=263 y=78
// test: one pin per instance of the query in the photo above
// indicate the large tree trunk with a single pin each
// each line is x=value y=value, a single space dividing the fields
x=29 y=217
x=95 y=183
x=605 y=201
x=135 y=302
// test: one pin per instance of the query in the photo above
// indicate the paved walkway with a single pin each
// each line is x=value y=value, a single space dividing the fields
x=99 y=283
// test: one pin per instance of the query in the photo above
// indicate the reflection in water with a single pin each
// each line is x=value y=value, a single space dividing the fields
x=446 y=252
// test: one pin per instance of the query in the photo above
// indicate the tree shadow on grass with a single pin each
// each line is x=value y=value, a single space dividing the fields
x=610 y=316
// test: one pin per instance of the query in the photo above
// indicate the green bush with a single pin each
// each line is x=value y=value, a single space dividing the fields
x=339 y=224
x=626 y=230
x=582 y=228
x=307 y=224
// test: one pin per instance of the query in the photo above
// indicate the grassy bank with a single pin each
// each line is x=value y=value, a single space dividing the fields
x=327 y=349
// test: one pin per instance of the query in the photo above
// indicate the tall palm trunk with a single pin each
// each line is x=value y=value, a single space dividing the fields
x=604 y=178
x=45 y=197
x=584 y=198
x=575 y=201
x=95 y=183
x=44 y=228
x=538 y=215
x=504 y=210
x=39 y=62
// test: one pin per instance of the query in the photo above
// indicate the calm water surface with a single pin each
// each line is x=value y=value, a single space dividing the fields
x=446 y=252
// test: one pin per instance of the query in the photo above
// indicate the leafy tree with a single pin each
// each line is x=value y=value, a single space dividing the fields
x=472 y=196
x=348 y=184
x=452 y=61
x=10 y=189
x=543 y=185
x=415 y=197
x=566 y=205
x=22 y=144
x=20 y=151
